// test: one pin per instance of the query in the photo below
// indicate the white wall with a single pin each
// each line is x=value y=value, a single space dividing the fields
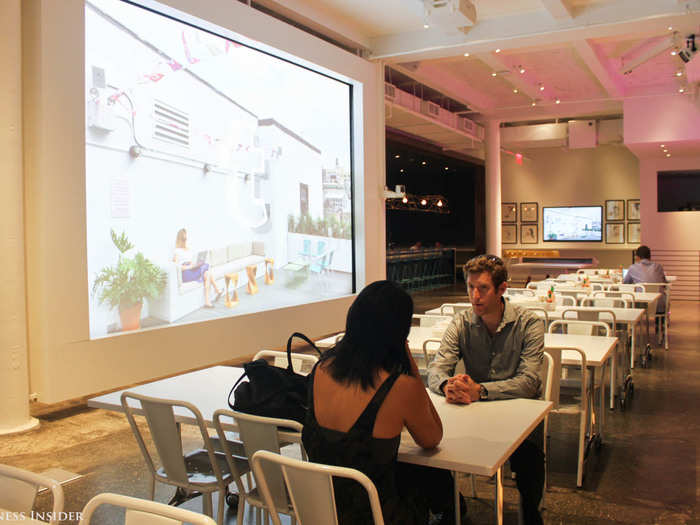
x=64 y=363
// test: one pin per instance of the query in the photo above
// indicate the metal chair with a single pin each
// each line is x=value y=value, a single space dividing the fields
x=565 y=300
x=520 y=291
x=627 y=296
x=453 y=308
x=606 y=302
x=143 y=512
x=18 y=488
x=259 y=433
x=307 y=487
x=629 y=288
x=302 y=363
x=202 y=471
x=581 y=409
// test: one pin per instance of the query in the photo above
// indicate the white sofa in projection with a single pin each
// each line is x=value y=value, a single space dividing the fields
x=180 y=299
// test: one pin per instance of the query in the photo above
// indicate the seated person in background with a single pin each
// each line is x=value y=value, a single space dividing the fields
x=191 y=271
x=644 y=270
x=502 y=347
x=362 y=393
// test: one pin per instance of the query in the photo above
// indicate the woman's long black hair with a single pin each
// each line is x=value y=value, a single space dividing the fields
x=376 y=330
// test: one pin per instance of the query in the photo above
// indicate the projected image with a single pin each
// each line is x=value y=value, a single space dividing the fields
x=218 y=177
x=580 y=223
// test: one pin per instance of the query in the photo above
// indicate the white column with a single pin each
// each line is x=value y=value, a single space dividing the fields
x=493 y=187
x=14 y=375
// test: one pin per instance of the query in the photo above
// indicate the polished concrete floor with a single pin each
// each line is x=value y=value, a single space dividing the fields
x=645 y=472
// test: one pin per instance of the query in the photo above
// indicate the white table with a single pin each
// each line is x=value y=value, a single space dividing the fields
x=476 y=439
x=436 y=311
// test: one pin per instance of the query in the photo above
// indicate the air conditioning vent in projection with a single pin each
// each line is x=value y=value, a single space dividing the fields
x=170 y=125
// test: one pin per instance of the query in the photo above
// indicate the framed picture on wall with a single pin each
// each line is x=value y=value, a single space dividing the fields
x=633 y=210
x=529 y=212
x=615 y=210
x=509 y=233
x=634 y=233
x=509 y=212
x=528 y=234
x=615 y=232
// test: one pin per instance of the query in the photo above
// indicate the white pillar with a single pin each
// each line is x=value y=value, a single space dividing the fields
x=493 y=187
x=14 y=375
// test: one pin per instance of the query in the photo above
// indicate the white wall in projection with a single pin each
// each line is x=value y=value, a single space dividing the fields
x=244 y=155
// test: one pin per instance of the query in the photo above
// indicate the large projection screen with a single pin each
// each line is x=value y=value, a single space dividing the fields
x=67 y=358
x=218 y=173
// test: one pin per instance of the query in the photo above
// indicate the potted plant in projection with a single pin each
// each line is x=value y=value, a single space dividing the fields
x=126 y=284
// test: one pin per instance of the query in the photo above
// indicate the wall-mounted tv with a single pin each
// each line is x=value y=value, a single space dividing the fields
x=572 y=223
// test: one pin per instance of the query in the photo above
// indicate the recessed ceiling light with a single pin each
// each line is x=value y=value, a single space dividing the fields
x=423 y=202
x=426 y=26
x=401 y=170
x=662 y=145
x=466 y=54
x=494 y=74
x=670 y=28
x=674 y=52
x=515 y=90
x=439 y=203
x=681 y=90
x=533 y=103
x=397 y=156
x=404 y=200
x=522 y=70
x=541 y=87
x=498 y=50
x=446 y=168
x=557 y=101
x=668 y=154
x=423 y=163
x=679 y=73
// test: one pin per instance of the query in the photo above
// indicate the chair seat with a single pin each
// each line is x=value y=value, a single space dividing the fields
x=199 y=470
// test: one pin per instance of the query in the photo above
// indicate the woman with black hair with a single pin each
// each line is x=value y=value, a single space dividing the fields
x=363 y=392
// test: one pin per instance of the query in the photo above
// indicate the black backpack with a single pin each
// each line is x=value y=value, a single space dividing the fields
x=272 y=391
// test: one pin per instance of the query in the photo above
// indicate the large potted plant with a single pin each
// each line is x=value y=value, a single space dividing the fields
x=126 y=284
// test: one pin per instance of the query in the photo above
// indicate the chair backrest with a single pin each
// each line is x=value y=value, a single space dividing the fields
x=596 y=286
x=310 y=488
x=547 y=374
x=263 y=433
x=627 y=296
x=279 y=359
x=143 y=512
x=18 y=488
x=555 y=353
x=160 y=416
x=428 y=320
x=568 y=326
x=541 y=313
x=520 y=291
x=565 y=300
x=453 y=308
x=607 y=302
x=426 y=344
x=590 y=314
x=320 y=246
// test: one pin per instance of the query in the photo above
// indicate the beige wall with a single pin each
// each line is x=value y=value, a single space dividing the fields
x=562 y=177
x=64 y=363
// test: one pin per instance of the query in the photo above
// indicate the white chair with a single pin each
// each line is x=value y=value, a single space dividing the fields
x=279 y=359
x=426 y=344
x=520 y=291
x=453 y=308
x=629 y=288
x=143 y=512
x=18 y=488
x=202 y=470
x=605 y=302
x=627 y=296
x=258 y=433
x=308 y=487
x=546 y=395
x=565 y=300
x=428 y=320
x=663 y=317
x=581 y=409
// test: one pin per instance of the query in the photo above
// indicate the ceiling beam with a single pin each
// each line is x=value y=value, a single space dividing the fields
x=598 y=66
x=539 y=28
x=550 y=110
x=557 y=9
x=514 y=78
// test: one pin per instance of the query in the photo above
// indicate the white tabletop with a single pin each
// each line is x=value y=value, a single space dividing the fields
x=597 y=349
x=477 y=438
x=622 y=315
x=206 y=389
x=436 y=311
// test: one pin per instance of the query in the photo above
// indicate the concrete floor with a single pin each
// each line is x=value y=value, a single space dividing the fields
x=645 y=473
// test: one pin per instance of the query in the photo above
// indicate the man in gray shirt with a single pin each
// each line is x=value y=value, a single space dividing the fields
x=644 y=270
x=502 y=348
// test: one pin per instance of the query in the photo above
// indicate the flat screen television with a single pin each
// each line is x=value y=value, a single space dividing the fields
x=572 y=223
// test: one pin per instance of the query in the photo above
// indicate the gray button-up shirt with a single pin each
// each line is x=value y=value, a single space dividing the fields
x=508 y=363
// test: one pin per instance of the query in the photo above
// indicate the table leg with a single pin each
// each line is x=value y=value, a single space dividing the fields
x=458 y=514
x=601 y=416
x=613 y=372
x=632 y=344
x=498 y=496
x=252 y=285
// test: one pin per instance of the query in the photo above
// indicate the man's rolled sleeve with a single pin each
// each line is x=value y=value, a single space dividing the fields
x=527 y=381
x=442 y=367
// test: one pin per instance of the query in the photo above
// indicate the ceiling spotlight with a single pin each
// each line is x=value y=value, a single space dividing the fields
x=674 y=52
x=446 y=168
x=466 y=54
x=397 y=156
x=423 y=163
x=401 y=170
x=522 y=70
x=498 y=50
x=668 y=154
x=681 y=90
x=439 y=203
x=679 y=73
x=515 y=90
x=541 y=87
x=670 y=28
x=404 y=200
x=423 y=202
x=533 y=103
x=557 y=101
x=662 y=145
x=426 y=25
x=494 y=74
